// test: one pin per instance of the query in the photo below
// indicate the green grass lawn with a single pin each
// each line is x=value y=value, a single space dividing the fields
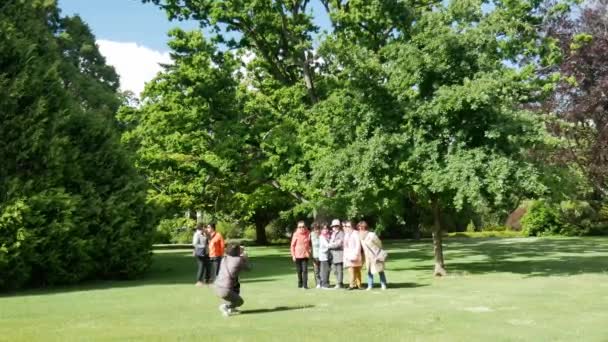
x=497 y=290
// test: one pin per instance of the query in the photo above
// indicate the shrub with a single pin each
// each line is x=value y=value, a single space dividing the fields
x=487 y=234
x=569 y=218
x=176 y=230
x=496 y=229
x=541 y=219
x=72 y=206
x=229 y=230
x=249 y=233
x=470 y=227
x=276 y=231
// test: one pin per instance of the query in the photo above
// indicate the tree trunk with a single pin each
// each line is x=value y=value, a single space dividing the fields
x=308 y=78
x=260 y=230
x=438 y=243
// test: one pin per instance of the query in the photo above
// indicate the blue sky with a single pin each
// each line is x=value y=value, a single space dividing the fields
x=146 y=24
x=133 y=36
x=125 y=21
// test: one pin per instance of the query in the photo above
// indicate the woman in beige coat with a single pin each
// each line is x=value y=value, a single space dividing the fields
x=372 y=248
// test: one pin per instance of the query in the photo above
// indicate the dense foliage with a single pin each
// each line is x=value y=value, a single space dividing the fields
x=71 y=204
x=404 y=113
x=580 y=98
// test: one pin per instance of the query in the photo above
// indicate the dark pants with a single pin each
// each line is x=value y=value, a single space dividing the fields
x=204 y=269
x=233 y=299
x=316 y=266
x=302 y=269
x=214 y=268
x=338 y=271
x=325 y=273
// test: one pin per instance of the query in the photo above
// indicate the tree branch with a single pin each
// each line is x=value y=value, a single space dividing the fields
x=295 y=195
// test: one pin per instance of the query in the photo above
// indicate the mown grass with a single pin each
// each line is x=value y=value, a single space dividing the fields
x=498 y=289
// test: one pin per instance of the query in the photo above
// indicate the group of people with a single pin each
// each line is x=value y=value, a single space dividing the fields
x=209 y=248
x=345 y=247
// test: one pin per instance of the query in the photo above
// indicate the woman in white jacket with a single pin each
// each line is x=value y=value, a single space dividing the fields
x=324 y=256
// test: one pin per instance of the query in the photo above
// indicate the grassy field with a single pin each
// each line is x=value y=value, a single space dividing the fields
x=497 y=290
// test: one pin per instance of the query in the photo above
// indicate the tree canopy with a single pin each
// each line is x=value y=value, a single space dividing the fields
x=401 y=104
x=72 y=206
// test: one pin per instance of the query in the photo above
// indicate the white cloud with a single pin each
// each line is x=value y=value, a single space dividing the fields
x=135 y=64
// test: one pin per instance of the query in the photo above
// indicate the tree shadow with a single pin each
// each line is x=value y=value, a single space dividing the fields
x=532 y=257
x=275 y=309
x=560 y=266
x=404 y=285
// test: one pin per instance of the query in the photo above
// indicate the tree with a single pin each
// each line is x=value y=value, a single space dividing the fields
x=404 y=101
x=580 y=98
x=71 y=205
x=194 y=141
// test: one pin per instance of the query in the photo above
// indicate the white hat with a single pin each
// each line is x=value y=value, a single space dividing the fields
x=335 y=222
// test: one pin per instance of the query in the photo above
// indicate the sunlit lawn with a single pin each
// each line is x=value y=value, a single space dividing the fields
x=497 y=290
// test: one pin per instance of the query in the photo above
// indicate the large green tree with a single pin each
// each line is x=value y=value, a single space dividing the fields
x=400 y=103
x=196 y=142
x=71 y=205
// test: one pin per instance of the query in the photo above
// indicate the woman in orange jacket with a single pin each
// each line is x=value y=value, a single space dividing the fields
x=300 y=252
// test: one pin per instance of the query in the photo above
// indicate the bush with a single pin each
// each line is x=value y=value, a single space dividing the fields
x=541 y=219
x=568 y=218
x=487 y=234
x=176 y=230
x=229 y=230
x=276 y=231
x=249 y=233
x=72 y=206
x=496 y=229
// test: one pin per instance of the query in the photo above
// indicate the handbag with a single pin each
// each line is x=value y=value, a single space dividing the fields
x=382 y=255
x=200 y=252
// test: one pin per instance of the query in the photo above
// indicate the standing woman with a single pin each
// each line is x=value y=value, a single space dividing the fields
x=201 y=253
x=352 y=255
x=216 y=250
x=374 y=255
x=315 y=238
x=336 y=246
x=300 y=252
x=324 y=256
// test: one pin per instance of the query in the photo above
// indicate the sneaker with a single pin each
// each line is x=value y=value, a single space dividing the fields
x=199 y=284
x=224 y=310
x=325 y=288
x=369 y=288
x=318 y=286
x=337 y=287
x=384 y=286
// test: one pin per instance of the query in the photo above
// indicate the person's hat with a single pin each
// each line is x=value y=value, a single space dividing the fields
x=335 y=222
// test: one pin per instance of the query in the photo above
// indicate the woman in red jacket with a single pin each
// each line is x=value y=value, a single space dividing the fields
x=300 y=252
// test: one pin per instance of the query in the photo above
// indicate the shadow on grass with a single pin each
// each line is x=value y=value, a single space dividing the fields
x=560 y=266
x=275 y=309
x=404 y=285
x=531 y=257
